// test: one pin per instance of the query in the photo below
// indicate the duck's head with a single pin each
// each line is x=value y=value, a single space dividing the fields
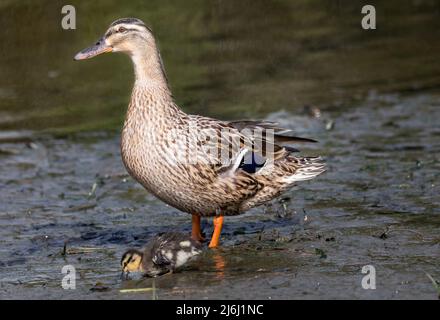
x=131 y=261
x=128 y=35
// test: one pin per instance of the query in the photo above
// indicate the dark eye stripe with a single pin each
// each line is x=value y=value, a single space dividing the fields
x=111 y=32
x=126 y=260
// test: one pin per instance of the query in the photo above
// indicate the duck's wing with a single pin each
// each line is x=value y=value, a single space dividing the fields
x=226 y=144
x=159 y=255
x=167 y=245
x=250 y=162
x=276 y=132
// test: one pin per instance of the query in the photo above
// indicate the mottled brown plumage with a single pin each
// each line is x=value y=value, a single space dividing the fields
x=165 y=149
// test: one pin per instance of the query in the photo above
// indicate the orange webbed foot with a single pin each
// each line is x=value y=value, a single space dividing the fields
x=218 y=224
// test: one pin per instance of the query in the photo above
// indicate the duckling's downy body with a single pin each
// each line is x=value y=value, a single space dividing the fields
x=165 y=253
x=171 y=153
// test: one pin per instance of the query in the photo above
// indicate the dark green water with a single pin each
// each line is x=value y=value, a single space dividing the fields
x=378 y=92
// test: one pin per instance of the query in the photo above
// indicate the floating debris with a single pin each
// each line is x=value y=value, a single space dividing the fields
x=384 y=235
x=321 y=253
x=284 y=239
x=13 y=137
x=260 y=234
x=435 y=283
x=312 y=111
x=32 y=145
x=81 y=207
x=64 y=251
x=136 y=290
x=79 y=250
x=9 y=152
x=99 y=287
x=92 y=192
x=329 y=125
x=305 y=216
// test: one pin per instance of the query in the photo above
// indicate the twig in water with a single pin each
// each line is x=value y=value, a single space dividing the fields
x=80 y=207
x=136 y=290
x=435 y=283
x=63 y=253
x=92 y=192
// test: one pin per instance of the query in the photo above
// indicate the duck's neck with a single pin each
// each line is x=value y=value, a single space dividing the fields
x=149 y=70
x=151 y=98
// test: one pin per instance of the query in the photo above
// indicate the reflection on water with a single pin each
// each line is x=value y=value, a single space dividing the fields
x=376 y=94
x=220 y=265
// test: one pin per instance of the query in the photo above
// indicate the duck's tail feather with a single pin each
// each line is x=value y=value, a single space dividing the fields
x=307 y=168
x=281 y=176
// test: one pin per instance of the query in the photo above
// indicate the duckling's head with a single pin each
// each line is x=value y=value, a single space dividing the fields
x=128 y=35
x=131 y=261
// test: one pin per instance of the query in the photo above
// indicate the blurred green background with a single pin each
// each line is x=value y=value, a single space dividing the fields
x=224 y=58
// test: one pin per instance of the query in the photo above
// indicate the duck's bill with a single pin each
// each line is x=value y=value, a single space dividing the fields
x=93 y=51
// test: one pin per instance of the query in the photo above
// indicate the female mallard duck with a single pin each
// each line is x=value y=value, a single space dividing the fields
x=199 y=165
x=165 y=253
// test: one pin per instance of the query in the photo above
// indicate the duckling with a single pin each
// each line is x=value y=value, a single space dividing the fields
x=164 y=254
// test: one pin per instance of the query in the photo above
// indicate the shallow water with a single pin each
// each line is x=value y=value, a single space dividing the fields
x=377 y=204
x=63 y=184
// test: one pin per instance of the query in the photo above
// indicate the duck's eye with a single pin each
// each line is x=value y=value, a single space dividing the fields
x=122 y=29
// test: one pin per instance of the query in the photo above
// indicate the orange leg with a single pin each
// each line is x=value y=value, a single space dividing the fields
x=218 y=224
x=196 y=233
